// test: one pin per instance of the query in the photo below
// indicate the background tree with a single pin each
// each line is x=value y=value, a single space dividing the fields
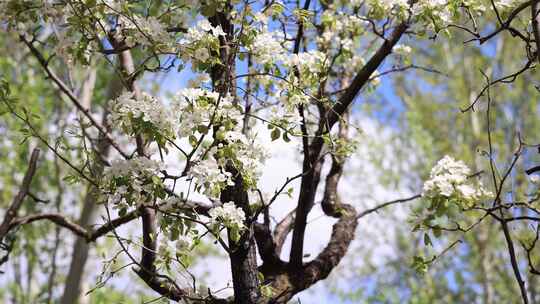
x=477 y=269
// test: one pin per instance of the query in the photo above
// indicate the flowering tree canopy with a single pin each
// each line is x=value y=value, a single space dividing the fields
x=189 y=164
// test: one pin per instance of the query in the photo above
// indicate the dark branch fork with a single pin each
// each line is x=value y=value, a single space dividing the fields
x=329 y=118
x=288 y=279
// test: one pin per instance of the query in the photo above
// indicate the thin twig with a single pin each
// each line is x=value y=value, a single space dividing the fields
x=383 y=205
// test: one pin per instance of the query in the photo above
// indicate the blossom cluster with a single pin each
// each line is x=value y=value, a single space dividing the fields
x=195 y=113
x=127 y=109
x=179 y=246
x=132 y=181
x=311 y=65
x=339 y=27
x=449 y=179
x=247 y=156
x=171 y=204
x=199 y=42
x=211 y=177
x=402 y=50
x=199 y=109
x=298 y=73
x=175 y=249
x=505 y=4
x=147 y=31
x=266 y=47
x=284 y=118
x=145 y=116
x=229 y=215
x=435 y=14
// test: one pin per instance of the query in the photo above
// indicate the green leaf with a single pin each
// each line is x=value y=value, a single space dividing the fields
x=290 y=192
x=427 y=240
x=286 y=137
x=419 y=264
x=234 y=234
x=175 y=233
x=277 y=8
x=267 y=291
x=276 y=133
x=193 y=140
x=209 y=10
x=437 y=232
x=156 y=180
x=71 y=179
x=202 y=129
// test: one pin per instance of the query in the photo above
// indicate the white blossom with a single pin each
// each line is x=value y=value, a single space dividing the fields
x=200 y=109
x=205 y=25
x=171 y=203
x=506 y=4
x=266 y=48
x=450 y=179
x=467 y=191
x=201 y=36
x=201 y=54
x=129 y=180
x=149 y=109
x=402 y=50
x=183 y=243
x=134 y=167
x=311 y=62
x=166 y=248
x=249 y=156
x=147 y=31
x=197 y=108
x=388 y=5
x=208 y=174
x=229 y=215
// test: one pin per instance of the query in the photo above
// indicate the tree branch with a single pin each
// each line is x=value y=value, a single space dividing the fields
x=282 y=229
x=384 y=205
x=19 y=198
x=63 y=221
x=363 y=76
x=310 y=181
x=64 y=89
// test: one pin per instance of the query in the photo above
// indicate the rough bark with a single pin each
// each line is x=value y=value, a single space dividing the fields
x=242 y=253
x=287 y=279
x=283 y=228
x=310 y=181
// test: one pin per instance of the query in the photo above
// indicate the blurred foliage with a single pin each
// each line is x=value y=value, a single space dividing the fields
x=427 y=121
x=28 y=274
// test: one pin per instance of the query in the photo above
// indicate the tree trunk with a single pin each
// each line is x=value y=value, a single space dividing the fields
x=242 y=253
x=72 y=290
